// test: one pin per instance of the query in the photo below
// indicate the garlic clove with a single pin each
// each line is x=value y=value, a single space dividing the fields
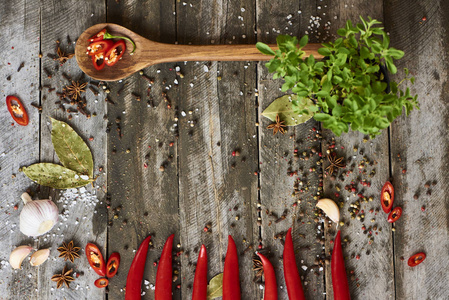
x=18 y=255
x=38 y=217
x=39 y=257
x=330 y=209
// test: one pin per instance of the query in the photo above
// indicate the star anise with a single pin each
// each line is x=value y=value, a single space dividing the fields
x=75 y=90
x=257 y=267
x=278 y=126
x=62 y=57
x=334 y=163
x=62 y=278
x=68 y=251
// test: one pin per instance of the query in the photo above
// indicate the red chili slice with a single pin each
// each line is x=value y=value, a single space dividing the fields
x=387 y=197
x=395 y=214
x=98 y=61
x=416 y=259
x=100 y=46
x=95 y=259
x=115 y=53
x=101 y=282
x=17 y=110
x=112 y=265
x=97 y=37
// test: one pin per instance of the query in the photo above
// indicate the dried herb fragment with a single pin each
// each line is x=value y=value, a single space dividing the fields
x=69 y=251
x=257 y=267
x=75 y=90
x=63 y=278
x=278 y=126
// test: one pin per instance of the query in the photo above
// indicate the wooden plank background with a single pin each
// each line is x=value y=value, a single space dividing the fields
x=163 y=150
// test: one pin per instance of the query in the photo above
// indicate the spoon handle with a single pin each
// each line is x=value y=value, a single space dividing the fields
x=173 y=53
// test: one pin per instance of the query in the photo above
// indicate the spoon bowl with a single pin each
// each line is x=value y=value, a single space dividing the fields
x=149 y=53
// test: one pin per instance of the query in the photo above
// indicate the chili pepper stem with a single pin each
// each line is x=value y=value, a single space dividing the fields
x=108 y=36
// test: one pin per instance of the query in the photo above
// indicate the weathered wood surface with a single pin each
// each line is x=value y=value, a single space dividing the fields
x=82 y=220
x=144 y=200
x=419 y=149
x=283 y=166
x=19 y=145
x=216 y=118
x=172 y=169
x=369 y=245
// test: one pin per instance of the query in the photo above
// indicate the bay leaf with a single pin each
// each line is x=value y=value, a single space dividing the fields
x=215 y=287
x=283 y=107
x=55 y=176
x=72 y=151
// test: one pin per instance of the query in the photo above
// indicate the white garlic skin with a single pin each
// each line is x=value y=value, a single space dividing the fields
x=38 y=217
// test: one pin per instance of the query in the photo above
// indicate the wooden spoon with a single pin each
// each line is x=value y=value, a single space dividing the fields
x=150 y=53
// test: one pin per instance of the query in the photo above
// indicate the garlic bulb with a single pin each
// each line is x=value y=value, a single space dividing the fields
x=18 y=255
x=37 y=217
x=39 y=257
x=330 y=208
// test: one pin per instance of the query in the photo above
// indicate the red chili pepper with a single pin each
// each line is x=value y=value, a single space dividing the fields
x=113 y=264
x=416 y=259
x=231 y=279
x=114 y=54
x=135 y=274
x=101 y=282
x=395 y=214
x=98 y=61
x=95 y=259
x=97 y=37
x=200 y=282
x=271 y=288
x=17 y=110
x=387 y=197
x=339 y=279
x=164 y=272
x=100 y=46
x=291 y=273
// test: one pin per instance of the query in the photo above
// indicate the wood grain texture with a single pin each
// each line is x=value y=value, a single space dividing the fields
x=217 y=188
x=420 y=147
x=372 y=275
x=147 y=198
x=81 y=221
x=283 y=165
x=19 y=145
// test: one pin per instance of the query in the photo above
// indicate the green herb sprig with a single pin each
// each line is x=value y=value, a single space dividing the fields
x=347 y=88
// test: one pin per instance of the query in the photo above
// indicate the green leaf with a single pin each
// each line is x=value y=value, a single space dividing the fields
x=396 y=54
x=324 y=51
x=303 y=41
x=215 y=287
x=320 y=117
x=72 y=151
x=390 y=66
x=264 y=48
x=287 y=112
x=341 y=32
x=55 y=176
